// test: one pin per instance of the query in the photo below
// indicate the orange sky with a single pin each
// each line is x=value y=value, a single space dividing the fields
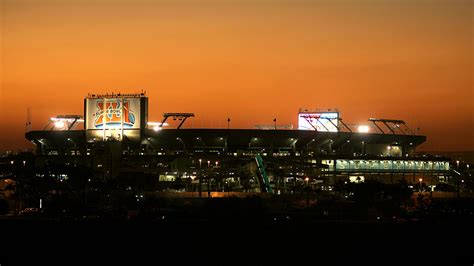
x=247 y=60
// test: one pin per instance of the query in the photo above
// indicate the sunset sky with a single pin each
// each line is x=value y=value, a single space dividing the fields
x=251 y=61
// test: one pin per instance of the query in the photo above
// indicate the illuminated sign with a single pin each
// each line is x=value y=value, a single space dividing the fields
x=117 y=114
x=113 y=118
x=323 y=121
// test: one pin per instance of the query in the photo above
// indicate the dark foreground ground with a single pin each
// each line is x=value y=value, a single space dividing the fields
x=237 y=241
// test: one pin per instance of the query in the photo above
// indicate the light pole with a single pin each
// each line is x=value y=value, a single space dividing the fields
x=421 y=180
x=208 y=179
x=275 y=121
x=457 y=168
x=215 y=176
x=200 y=177
x=228 y=123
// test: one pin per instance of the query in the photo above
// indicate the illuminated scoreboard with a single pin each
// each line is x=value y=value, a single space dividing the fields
x=318 y=121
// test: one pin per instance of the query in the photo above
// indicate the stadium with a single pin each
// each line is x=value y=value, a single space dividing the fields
x=117 y=140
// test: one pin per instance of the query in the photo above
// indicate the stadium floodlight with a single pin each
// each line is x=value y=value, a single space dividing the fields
x=363 y=129
x=65 y=122
x=69 y=118
x=156 y=126
x=59 y=124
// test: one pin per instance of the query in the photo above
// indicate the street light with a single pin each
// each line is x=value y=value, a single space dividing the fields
x=421 y=180
x=208 y=180
x=457 y=163
x=200 y=177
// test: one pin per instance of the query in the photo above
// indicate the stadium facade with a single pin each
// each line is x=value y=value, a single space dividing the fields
x=118 y=140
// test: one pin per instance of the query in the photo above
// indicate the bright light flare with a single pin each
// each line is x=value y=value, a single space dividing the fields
x=363 y=129
x=59 y=124
x=156 y=126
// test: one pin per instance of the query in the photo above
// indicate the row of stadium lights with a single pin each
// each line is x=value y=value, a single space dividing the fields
x=60 y=123
x=156 y=126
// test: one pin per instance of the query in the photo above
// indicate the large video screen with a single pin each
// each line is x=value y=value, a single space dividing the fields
x=318 y=121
